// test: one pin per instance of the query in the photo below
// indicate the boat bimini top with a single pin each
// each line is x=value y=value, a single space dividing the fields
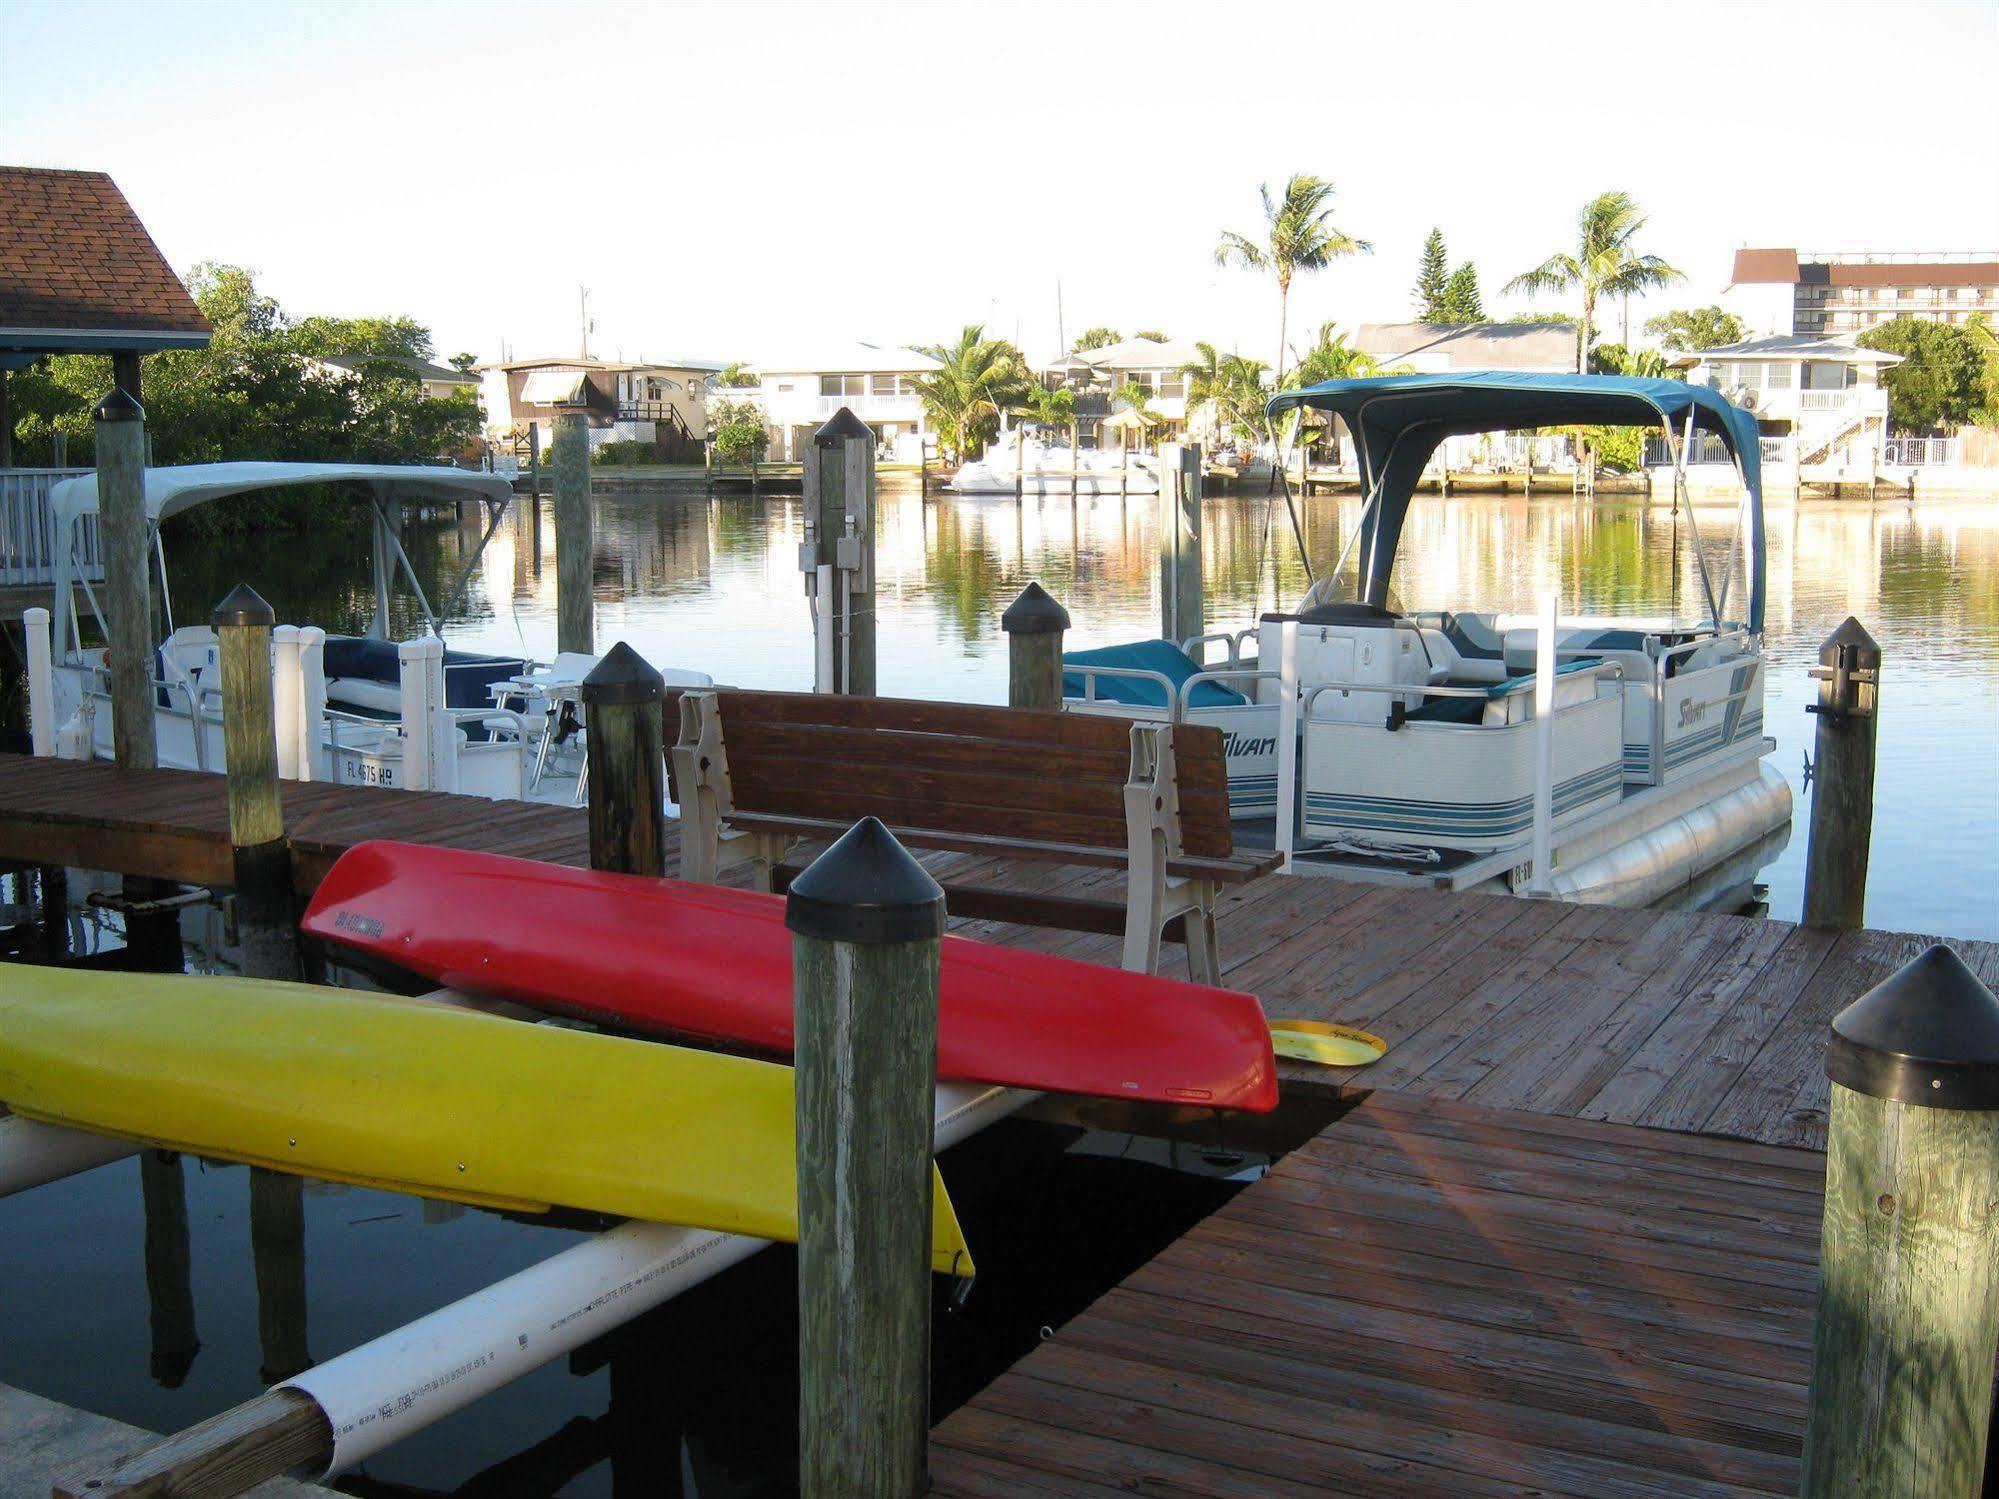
x=169 y=491
x=1398 y=421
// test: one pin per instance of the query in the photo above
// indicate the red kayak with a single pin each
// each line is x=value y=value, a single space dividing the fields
x=715 y=963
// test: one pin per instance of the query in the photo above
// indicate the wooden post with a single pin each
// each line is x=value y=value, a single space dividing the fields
x=121 y=512
x=1181 y=611
x=169 y=1261
x=1034 y=623
x=839 y=482
x=259 y=849
x=867 y=926
x=277 y=1254
x=534 y=463
x=623 y=708
x=1908 y=1311
x=575 y=623
x=1849 y=678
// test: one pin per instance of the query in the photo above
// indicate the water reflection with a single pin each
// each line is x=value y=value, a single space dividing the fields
x=713 y=584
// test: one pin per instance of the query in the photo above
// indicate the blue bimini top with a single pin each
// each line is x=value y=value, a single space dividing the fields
x=1397 y=421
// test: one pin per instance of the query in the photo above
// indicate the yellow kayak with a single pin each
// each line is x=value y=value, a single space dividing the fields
x=414 y=1097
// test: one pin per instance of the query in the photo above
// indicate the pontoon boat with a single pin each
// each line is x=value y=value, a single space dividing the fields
x=1601 y=759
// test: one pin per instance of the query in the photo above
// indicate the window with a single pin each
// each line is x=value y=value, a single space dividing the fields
x=847 y=386
x=1173 y=387
x=1778 y=376
x=887 y=385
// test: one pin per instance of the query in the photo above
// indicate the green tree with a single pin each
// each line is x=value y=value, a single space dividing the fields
x=737 y=377
x=363 y=338
x=463 y=363
x=1432 y=276
x=1297 y=235
x=736 y=428
x=1615 y=359
x=1461 y=301
x=1050 y=406
x=1151 y=336
x=1232 y=388
x=1687 y=329
x=1941 y=381
x=979 y=378
x=1331 y=357
x=1098 y=338
x=1603 y=263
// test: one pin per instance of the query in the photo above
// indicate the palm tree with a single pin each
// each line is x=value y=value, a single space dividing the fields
x=1051 y=406
x=1332 y=358
x=1232 y=386
x=1603 y=263
x=978 y=378
x=1298 y=238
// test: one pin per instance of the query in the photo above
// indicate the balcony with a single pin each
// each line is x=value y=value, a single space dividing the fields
x=870 y=407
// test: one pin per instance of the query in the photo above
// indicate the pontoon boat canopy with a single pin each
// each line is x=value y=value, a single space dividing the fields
x=169 y=491
x=1397 y=422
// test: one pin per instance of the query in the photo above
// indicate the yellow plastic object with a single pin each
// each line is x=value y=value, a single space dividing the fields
x=1323 y=1042
x=414 y=1097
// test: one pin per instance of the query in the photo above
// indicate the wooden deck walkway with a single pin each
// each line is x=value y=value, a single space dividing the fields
x=1710 y=1024
x=1434 y=1298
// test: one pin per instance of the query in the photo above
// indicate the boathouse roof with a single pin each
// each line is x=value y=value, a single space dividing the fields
x=79 y=273
x=1433 y=348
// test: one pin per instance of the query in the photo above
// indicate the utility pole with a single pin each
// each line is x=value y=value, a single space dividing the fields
x=583 y=319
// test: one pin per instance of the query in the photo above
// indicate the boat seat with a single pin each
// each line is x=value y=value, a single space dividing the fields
x=1474 y=639
x=467 y=674
x=1161 y=656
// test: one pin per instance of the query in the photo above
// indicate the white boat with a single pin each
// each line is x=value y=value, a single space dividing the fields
x=1017 y=462
x=1603 y=759
x=359 y=710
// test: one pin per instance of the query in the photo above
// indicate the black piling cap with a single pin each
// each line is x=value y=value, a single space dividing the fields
x=843 y=425
x=119 y=406
x=865 y=888
x=1035 y=612
x=623 y=676
x=1928 y=1035
x=1852 y=633
x=244 y=606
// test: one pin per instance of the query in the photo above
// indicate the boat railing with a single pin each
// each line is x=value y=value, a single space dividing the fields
x=1686 y=647
x=1492 y=692
x=1233 y=639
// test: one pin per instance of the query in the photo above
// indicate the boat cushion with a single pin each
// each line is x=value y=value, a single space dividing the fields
x=1473 y=638
x=1448 y=710
x=1161 y=656
x=467 y=674
x=1562 y=669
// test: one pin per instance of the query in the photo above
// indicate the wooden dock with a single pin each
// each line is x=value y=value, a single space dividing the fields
x=1678 y=1020
x=1435 y=1298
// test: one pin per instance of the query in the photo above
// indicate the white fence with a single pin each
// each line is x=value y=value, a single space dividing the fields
x=1918 y=452
x=28 y=539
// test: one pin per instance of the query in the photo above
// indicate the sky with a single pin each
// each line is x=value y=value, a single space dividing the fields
x=757 y=182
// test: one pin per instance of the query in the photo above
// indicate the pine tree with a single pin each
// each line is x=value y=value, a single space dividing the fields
x=1460 y=302
x=1431 y=280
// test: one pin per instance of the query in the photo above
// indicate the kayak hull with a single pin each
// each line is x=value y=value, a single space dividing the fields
x=715 y=964
x=413 y=1096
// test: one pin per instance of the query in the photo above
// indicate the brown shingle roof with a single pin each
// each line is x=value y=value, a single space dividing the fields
x=1765 y=267
x=75 y=259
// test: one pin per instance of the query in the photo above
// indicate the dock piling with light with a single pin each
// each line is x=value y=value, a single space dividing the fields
x=1842 y=823
x=265 y=922
x=1182 y=614
x=575 y=609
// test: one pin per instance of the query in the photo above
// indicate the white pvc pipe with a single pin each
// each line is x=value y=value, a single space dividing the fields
x=822 y=629
x=1542 y=881
x=443 y=742
x=413 y=668
x=32 y=1153
x=285 y=688
x=403 y=1381
x=41 y=682
x=312 y=704
x=1287 y=740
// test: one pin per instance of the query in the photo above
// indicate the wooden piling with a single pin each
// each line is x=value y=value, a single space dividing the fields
x=1034 y=623
x=1849 y=678
x=1908 y=1312
x=534 y=463
x=575 y=621
x=1182 y=614
x=259 y=850
x=867 y=925
x=277 y=1255
x=624 y=744
x=121 y=519
x=169 y=1267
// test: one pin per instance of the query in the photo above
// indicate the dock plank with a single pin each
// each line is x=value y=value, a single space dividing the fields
x=1441 y=1298
x=1667 y=1019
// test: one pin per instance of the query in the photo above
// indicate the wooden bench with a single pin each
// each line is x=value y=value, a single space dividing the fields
x=755 y=771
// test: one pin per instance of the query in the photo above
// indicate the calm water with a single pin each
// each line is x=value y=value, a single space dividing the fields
x=714 y=585
x=699 y=1397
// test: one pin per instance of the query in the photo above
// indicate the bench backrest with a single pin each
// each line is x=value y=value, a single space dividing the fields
x=957 y=768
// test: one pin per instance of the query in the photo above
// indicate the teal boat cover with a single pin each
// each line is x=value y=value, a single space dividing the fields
x=1397 y=421
x=1161 y=656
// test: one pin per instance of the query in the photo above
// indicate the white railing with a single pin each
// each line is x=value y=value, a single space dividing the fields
x=28 y=539
x=873 y=408
x=1829 y=400
x=1918 y=452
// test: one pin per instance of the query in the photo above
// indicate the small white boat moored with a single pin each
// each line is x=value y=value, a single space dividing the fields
x=1017 y=462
